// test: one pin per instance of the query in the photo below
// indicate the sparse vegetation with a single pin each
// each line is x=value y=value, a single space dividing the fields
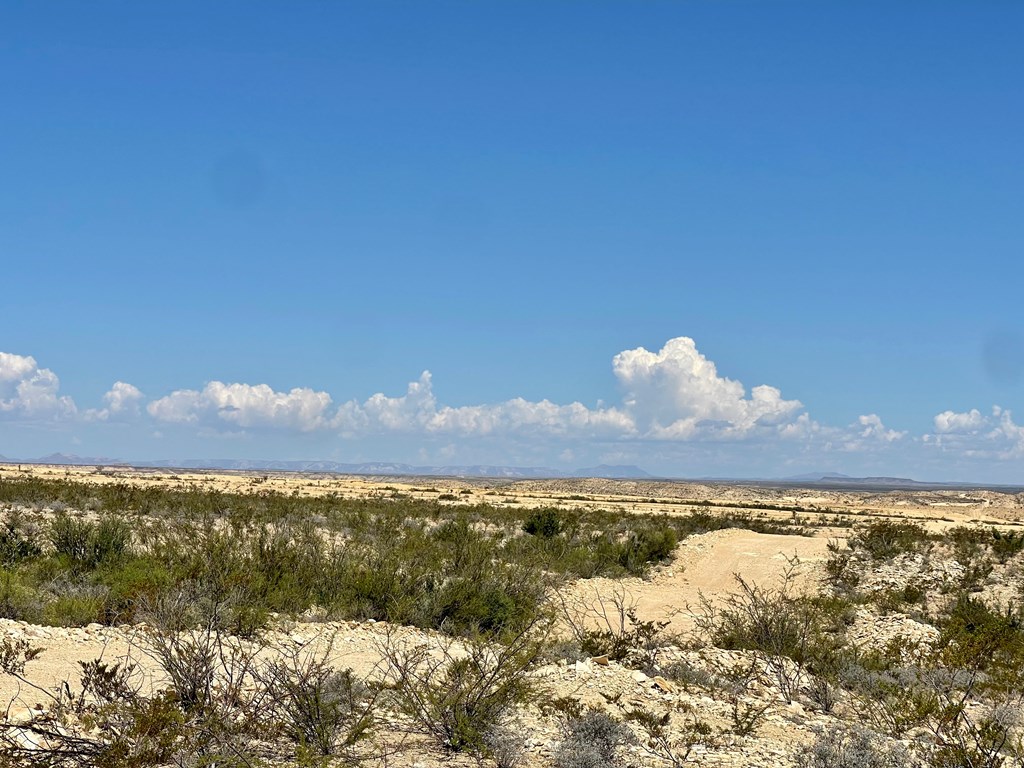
x=856 y=747
x=463 y=569
x=464 y=697
x=208 y=578
x=593 y=739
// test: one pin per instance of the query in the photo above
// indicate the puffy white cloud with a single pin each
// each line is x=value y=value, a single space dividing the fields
x=869 y=433
x=675 y=407
x=975 y=435
x=122 y=401
x=544 y=417
x=245 y=406
x=674 y=394
x=30 y=392
x=872 y=428
x=677 y=394
x=409 y=412
x=417 y=411
x=950 y=422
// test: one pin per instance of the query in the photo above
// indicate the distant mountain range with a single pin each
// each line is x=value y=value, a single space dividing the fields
x=610 y=471
x=835 y=481
x=838 y=478
x=817 y=477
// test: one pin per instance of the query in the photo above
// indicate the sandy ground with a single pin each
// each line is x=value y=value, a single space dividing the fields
x=704 y=565
x=939 y=509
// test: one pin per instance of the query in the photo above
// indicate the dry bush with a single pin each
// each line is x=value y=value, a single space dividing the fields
x=856 y=747
x=326 y=711
x=786 y=632
x=609 y=626
x=592 y=739
x=470 y=688
x=669 y=739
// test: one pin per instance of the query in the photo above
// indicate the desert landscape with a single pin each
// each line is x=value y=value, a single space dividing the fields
x=511 y=384
x=155 y=617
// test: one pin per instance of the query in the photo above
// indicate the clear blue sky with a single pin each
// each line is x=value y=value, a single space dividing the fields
x=826 y=197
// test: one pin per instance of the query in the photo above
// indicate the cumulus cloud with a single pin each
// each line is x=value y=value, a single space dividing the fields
x=544 y=417
x=674 y=397
x=244 y=406
x=870 y=433
x=950 y=422
x=409 y=412
x=30 y=392
x=122 y=401
x=417 y=411
x=677 y=394
x=973 y=434
x=673 y=394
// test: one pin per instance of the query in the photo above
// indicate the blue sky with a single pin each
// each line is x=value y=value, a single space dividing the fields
x=265 y=220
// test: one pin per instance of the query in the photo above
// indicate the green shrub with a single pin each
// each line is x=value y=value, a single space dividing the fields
x=322 y=709
x=885 y=539
x=459 y=698
x=646 y=547
x=18 y=600
x=788 y=632
x=131 y=582
x=545 y=523
x=86 y=544
x=976 y=637
x=15 y=543
x=1006 y=544
x=73 y=611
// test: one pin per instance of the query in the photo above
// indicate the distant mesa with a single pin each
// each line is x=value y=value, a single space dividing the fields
x=817 y=477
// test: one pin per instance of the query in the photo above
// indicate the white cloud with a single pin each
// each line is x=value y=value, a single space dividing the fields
x=975 y=435
x=869 y=433
x=677 y=394
x=30 y=392
x=417 y=411
x=675 y=407
x=950 y=422
x=872 y=428
x=409 y=412
x=674 y=394
x=121 y=402
x=245 y=406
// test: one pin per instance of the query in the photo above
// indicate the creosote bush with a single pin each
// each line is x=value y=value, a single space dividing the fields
x=593 y=739
x=325 y=710
x=474 y=687
x=221 y=699
x=885 y=539
x=87 y=545
x=856 y=747
x=789 y=633
x=474 y=567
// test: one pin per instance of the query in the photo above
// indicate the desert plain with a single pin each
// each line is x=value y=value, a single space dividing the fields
x=811 y=626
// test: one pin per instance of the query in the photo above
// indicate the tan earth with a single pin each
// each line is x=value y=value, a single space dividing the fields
x=704 y=566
